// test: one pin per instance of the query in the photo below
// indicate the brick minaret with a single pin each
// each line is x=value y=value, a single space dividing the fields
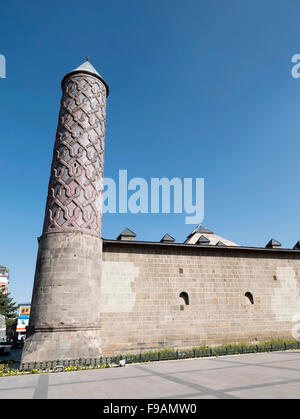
x=64 y=321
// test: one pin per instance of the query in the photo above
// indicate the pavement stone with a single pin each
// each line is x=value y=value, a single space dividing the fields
x=267 y=375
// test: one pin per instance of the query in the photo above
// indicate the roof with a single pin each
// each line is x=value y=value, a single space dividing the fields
x=87 y=68
x=220 y=243
x=297 y=245
x=203 y=240
x=201 y=232
x=167 y=238
x=4 y=271
x=273 y=243
x=127 y=233
x=107 y=242
x=201 y=229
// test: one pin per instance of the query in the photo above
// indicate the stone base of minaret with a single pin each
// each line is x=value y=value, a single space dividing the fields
x=65 y=320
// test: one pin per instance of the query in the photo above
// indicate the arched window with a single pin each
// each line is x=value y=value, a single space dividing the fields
x=185 y=298
x=250 y=297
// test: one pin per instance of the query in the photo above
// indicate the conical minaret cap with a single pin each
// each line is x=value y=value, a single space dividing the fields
x=87 y=68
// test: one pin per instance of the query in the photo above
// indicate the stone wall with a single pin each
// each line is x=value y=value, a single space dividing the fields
x=141 y=283
x=65 y=318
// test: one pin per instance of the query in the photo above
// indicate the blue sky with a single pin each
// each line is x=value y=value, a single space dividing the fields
x=200 y=88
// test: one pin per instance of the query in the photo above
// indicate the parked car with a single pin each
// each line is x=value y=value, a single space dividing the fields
x=17 y=345
x=4 y=351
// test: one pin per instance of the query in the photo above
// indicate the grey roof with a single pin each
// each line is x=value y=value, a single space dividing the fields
x=188 y=246
x=127 y=233
x=87 y=68
x=200 y=229
x=220 y=244
x=273 y=243
x=203 y=240
x=167 y=238
x=297 y=245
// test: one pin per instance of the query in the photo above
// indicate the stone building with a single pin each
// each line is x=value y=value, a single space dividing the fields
x=96 y=296
x=4 y=278
x=4 y=281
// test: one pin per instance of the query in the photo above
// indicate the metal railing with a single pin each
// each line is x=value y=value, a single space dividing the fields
x=166 y=354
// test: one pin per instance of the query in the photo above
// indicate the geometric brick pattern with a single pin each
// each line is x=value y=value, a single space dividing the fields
x=76 y=182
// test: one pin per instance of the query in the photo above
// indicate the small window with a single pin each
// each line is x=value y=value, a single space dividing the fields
x=250 y=297
x=185 y=298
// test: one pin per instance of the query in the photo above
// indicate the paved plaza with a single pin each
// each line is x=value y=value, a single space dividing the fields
x=266 y=375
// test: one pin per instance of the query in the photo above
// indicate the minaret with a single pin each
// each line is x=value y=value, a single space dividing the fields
x=65 y=320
